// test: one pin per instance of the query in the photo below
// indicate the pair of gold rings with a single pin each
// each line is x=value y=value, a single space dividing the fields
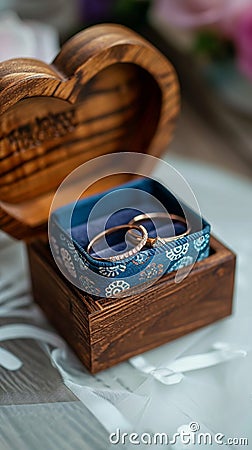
x=140 y=236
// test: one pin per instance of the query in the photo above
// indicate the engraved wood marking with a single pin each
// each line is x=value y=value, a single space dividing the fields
x=108 y=90
x=41 y=130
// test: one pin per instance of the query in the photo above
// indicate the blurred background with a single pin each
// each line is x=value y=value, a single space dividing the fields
x=208 y=41
x=210 y=44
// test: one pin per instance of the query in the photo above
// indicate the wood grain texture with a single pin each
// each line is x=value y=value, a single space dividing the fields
x=107 y=331
x=108 y=90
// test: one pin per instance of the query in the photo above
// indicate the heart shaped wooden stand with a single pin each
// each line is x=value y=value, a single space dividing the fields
x=108 y=90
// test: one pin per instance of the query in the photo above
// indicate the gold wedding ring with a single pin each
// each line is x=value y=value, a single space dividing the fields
x=153 y=242
x=143 y=239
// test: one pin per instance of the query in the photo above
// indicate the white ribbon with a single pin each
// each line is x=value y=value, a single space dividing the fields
x=173 y=373
x=94 y=399
x=100 y=401
x=33 y=312
x=9 y=361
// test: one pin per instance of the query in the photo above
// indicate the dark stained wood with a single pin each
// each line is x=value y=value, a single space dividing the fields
x=107 y=331
x=108 y=90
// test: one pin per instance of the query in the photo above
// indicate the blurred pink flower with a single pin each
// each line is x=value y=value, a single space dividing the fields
x=197 y=13
x=242 y=35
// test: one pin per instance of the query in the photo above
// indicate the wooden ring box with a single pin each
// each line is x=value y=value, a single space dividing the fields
x=107 y=86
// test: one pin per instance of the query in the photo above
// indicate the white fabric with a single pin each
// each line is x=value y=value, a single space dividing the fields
x=216 y=392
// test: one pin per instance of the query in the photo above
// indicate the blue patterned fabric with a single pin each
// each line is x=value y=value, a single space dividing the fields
x=69 y=243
